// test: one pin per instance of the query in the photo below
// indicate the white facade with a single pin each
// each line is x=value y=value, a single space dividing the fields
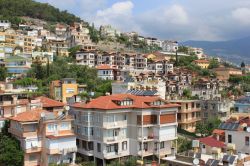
x=85 y=58
x=111 y=134
x=4 y=24
x=169 y=46
x=106 y=74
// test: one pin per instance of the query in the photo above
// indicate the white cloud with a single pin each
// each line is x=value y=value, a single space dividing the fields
x=242 y=15
x=119 y=15
x=176 y=14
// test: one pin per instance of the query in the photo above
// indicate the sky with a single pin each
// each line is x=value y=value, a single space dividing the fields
x=209 y=20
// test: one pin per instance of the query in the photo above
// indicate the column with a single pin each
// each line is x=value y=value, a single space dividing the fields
x=73 y=158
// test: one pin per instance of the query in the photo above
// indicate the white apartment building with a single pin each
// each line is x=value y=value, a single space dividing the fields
x=157 y=86
x=5 y=24
x=109 y=31
x=116 y=126
x=169 y=46
x=87 y=58
x=107 y=72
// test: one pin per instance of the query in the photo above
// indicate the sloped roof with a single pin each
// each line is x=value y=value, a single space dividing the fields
x=28 y=116
x=47 y=102
x=107 y=102
x=210 y=141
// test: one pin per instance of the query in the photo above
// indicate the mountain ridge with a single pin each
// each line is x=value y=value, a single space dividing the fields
x=235 y=50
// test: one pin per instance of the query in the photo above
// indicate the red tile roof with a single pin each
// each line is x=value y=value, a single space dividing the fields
x=219 y=132
x=210 y=141
x=47 y=102
x=29 y=116
x=201 y=61
x=105 y=67
x=107 y=102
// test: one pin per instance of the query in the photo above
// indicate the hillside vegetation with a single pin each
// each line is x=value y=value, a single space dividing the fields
x=12 y=10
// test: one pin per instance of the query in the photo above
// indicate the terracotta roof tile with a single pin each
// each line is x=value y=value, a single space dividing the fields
x=201 y=61
x=47 y=102
x=105 y=67
x=219 y=132
x=107 y=102
x=210 y=141
x=29 y=116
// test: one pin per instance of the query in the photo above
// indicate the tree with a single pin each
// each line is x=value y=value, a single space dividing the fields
x=10 y=151
x=3 y=73
x=187 y=93
x=213 y=64
x=73 y=51
x=206 y=128
x=242 y=65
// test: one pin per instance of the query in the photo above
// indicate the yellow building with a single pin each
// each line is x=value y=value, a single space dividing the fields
x=63 y=90
x=202 y=63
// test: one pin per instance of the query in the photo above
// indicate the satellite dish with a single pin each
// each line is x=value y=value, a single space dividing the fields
x=67 y=108
x=196 y=161
x=248 y=129
x=42 y=114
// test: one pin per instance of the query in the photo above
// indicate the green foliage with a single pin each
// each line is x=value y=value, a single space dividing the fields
x=206 y=128
x=94 y=33
x=131 y=161
x=183 y=49
x=10 y=151
x=3 y=73
x=87 y=163
x=186 y=60
x=187 y=93
x=213 y=64
x=60 y=68
x=183 y=144
x=12 y=9
x=73 y=51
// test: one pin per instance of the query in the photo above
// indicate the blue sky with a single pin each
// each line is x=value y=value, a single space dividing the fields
x=181 y=20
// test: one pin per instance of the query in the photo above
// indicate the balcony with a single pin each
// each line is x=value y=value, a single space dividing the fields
x=22 y=134
x=113 y=139
x=145 y=153
x=111 y=155
x=61 y=145
x=85 y=152
x=189 y=120
x=31 y=145
x=116 y=124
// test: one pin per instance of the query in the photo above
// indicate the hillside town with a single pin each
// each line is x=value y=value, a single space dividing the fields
x=125 y=99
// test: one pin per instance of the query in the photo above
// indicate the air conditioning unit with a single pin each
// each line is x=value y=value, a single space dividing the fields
x=230 y=146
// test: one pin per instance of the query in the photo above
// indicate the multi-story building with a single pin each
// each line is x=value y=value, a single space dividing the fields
x=63 y=90
x=107 y=72
x=87 y=58
x=169 y=46
x=59 y=46
x=216 y=108
x=17 y=65
x=207 y=89
x=153 y=87
x=79 y=35
x=202 y=63
x=5 y=24
x=108 y=31
x=189 y=114
x=11 y=105
x=140 y=62
x=121 y=125
x=242 y=104
x=236 y=131
x=45 y=137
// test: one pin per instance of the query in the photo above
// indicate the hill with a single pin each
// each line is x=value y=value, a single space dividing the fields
x=12 y=10
x=236 y=51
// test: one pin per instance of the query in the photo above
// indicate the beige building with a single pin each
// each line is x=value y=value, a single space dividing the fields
x=189 y=114
x=223 y=73
x=116 y=126
x=45 y=137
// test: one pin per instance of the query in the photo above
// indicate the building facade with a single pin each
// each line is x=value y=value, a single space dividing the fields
x=121 y=125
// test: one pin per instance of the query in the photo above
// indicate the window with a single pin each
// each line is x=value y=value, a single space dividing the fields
x=98 y=147
x=162 y=145
x=124 y=145
x=52 y=127
x=77 y=143
x=192 y=105
x=247 y=141
x=70 y=90
x=229 y=138
x=32 y=157
x=65 y=126
x=112 y=148
x=186 y=106
x=203 y=146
